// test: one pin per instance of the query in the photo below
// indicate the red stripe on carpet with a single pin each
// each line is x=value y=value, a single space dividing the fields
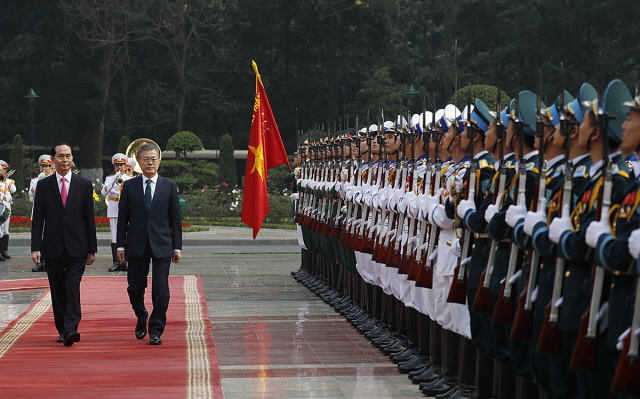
x=109 y=361
x=24 y=284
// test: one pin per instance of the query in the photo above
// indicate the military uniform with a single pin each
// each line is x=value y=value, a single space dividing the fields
x=7 y=187
x=111 y=191
x=45 y=162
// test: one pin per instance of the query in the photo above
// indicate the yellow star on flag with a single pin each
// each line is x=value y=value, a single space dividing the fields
x=258 y=161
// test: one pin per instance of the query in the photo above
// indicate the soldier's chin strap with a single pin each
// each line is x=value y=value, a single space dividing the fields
x=593 y=133
x=451 y=143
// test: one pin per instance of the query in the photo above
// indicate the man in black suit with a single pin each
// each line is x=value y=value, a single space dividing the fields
x=149 y=230
x=63 y=233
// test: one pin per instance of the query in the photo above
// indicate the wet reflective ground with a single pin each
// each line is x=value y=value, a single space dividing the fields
x=274 y=338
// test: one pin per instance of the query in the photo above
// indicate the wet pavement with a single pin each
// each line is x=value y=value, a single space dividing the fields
x=274 y=338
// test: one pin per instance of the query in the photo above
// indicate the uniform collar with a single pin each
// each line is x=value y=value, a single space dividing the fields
x=553 y=161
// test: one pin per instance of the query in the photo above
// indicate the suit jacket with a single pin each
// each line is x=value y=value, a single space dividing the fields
x=161 y=227
x=55 y=227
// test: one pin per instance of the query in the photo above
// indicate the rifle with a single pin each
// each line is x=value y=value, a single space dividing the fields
x=585 y=353
x=405 y=250
x=483 y=301
x=458 y=289
x=395 y=178
x=550 y=339
x=523 y=322
x=505 y=310
x=427 y=277
x=368 y=242
x=393 y=257
x=385 y=184
x=626 y=377
x=417 y=269
x=352 y=236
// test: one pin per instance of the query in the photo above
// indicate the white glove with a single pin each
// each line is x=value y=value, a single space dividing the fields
x=294 y=197
x=634 y=243
x=516 y=212
x=559 y=225
x=406 y=200
x=383 y=197
x=456 y=248
x=434 y=255
x=357 y=197
x=596 y=229
x=533 y=218
x=490 y=212
x=366 y=198
x=413 y=210
x=433 y=200
x=465 y=205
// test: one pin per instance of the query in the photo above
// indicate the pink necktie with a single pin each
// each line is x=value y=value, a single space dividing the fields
x=63 y=191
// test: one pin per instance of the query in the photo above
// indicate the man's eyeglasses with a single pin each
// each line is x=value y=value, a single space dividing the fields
x=150 y=160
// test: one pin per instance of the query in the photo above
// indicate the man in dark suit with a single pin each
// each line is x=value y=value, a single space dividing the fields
x=149 y=230
x=63 y=233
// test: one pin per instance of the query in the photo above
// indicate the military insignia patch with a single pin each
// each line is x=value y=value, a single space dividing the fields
x=580 y=171
x=559 y=171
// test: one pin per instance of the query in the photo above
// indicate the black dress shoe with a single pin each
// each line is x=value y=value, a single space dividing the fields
x=124 y=267
x=115 y=267
x=429 y=375
x=60 y=339
x=404 y=356
x=462 y=391
x=154 y=339
x=141 y=328
x=440 y=386
x=70 y=338
x=39 y=267
x=416 y=363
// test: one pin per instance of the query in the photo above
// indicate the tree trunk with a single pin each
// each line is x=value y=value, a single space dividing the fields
x=90 y=159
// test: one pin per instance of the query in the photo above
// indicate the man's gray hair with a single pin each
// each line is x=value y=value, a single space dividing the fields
x=148 y=147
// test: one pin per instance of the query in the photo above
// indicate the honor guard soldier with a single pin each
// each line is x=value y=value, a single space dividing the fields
x=8 y=187
x=130 y=166
x=46 y=169
x=111 y=191
x=609 y=177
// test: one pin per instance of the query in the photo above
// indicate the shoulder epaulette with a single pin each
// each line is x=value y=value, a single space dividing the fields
x=531 y=167
x=580 y=171
x=484 y=164
x=559 y=171
x=615 y=170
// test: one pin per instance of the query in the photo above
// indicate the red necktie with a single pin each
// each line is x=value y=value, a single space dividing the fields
x=63 y=192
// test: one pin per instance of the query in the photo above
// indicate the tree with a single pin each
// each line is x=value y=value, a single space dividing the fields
x=184 y=29
x=123 y=144
x=227 y=162
x=184 y=143
x=17 y=163
x=104 y=27
x=488 y=95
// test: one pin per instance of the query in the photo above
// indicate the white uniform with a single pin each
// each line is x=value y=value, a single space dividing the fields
x=111 y=191
x=8 y=187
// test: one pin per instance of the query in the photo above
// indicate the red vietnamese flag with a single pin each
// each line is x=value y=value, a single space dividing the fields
x=265 y=152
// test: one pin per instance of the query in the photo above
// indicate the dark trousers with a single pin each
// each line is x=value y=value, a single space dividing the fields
x=137 y=279
x=65 y=274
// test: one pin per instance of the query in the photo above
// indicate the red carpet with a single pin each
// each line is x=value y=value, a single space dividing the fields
x=109 y=362
x=24 y=284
